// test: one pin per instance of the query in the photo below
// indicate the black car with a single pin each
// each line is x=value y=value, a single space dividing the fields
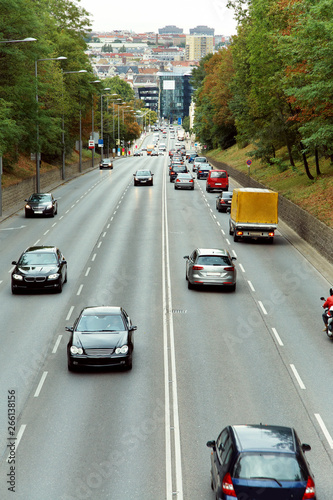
x=143 y=177
x=41 y=204
x=265 y=462
x=102 y=336
x=175 y=170
x=39 y=268
x=203 y=170
x=106 y=163
x=223 y=201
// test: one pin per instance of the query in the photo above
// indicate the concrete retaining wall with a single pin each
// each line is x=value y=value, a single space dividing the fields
x=15 y=195
x=314 y=232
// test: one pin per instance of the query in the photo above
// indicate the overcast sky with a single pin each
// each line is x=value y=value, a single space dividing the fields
x=150 y=15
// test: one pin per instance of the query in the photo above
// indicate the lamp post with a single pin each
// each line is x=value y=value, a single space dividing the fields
x=63 y=127
x=29 y=39
x=93 y=124
x=10 y=41
x=60 y=58
x=102 y=144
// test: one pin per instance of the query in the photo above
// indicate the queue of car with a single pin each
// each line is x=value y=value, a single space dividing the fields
x=247 y=461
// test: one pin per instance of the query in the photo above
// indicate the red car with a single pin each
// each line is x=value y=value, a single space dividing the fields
x=217 y=179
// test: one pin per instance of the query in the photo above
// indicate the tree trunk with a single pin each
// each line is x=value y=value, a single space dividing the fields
x=317 y=162
x=306 y=165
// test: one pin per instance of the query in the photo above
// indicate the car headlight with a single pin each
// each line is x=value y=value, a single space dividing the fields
x=17 y=277
x=49 y=205
x=53 y=276
x=122 y=350
x=76 y=350
x=27 y=206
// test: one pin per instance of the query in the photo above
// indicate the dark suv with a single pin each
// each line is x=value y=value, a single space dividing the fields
x=175 y=170
x=265 y=462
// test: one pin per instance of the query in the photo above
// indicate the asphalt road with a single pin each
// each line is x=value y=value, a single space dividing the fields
x=202 y=359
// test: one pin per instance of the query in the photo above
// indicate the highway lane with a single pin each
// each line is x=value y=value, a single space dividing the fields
x=105 y=433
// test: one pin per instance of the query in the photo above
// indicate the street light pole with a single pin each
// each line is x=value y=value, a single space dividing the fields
x=93 y=125
x=63 y=176
x=102 y=144
x=60 y=58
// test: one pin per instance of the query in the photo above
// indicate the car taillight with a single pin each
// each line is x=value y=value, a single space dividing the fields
x=197 y=268
x=229 y=268
x=227 y=486
x=191 y=180
x=177 y=180
x=310 y=491
x=271 y=234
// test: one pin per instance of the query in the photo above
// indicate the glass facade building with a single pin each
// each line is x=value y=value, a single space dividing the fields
x=175 y=95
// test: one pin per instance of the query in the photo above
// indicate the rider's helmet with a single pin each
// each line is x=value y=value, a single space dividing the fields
x=331 y=291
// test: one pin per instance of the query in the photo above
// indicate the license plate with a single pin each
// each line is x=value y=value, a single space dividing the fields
x=213 y=274
x=218 y=184
x=143 y=181
x=38 y=211
x=253 y=233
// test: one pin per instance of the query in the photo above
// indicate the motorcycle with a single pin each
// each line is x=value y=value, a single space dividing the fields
x=329 y=314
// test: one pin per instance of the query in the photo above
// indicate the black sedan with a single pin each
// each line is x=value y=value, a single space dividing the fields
x=102 y=336
x=174 y=170
x=41 y=204
x=39 y=268
x=265 y=462
x=223 y=201
x=143 y=177
x=106 y=163
x=203 y=171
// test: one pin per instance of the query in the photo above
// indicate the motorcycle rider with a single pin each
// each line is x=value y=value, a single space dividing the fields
x=327 y=304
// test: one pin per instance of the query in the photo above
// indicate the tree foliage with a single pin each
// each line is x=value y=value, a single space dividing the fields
x=43 y=98
x=274 y=83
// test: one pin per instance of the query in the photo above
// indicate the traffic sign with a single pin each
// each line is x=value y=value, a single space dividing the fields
x=91 y=144
x=249 y=162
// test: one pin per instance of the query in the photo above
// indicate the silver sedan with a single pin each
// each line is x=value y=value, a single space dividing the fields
x=184 y=181
x=210 y=266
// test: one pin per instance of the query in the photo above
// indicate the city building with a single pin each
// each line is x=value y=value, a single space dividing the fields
x=175 y=93
x=171 y=29
x=198 y=46
x=202 y=30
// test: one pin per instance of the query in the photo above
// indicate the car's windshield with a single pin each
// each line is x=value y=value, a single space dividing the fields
x=281 y=467
x=100 y=323
x=38 y=259
x=40 y=197
x=143 y=172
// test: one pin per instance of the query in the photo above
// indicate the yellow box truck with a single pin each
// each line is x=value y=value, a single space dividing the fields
x=253 y=214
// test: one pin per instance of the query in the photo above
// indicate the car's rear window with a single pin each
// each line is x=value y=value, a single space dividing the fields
x=219 y=175
x=281 y=467
x=201 y=160
x=213 y=260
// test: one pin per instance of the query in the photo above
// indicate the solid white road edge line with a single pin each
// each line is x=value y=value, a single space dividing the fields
x=178 y=492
